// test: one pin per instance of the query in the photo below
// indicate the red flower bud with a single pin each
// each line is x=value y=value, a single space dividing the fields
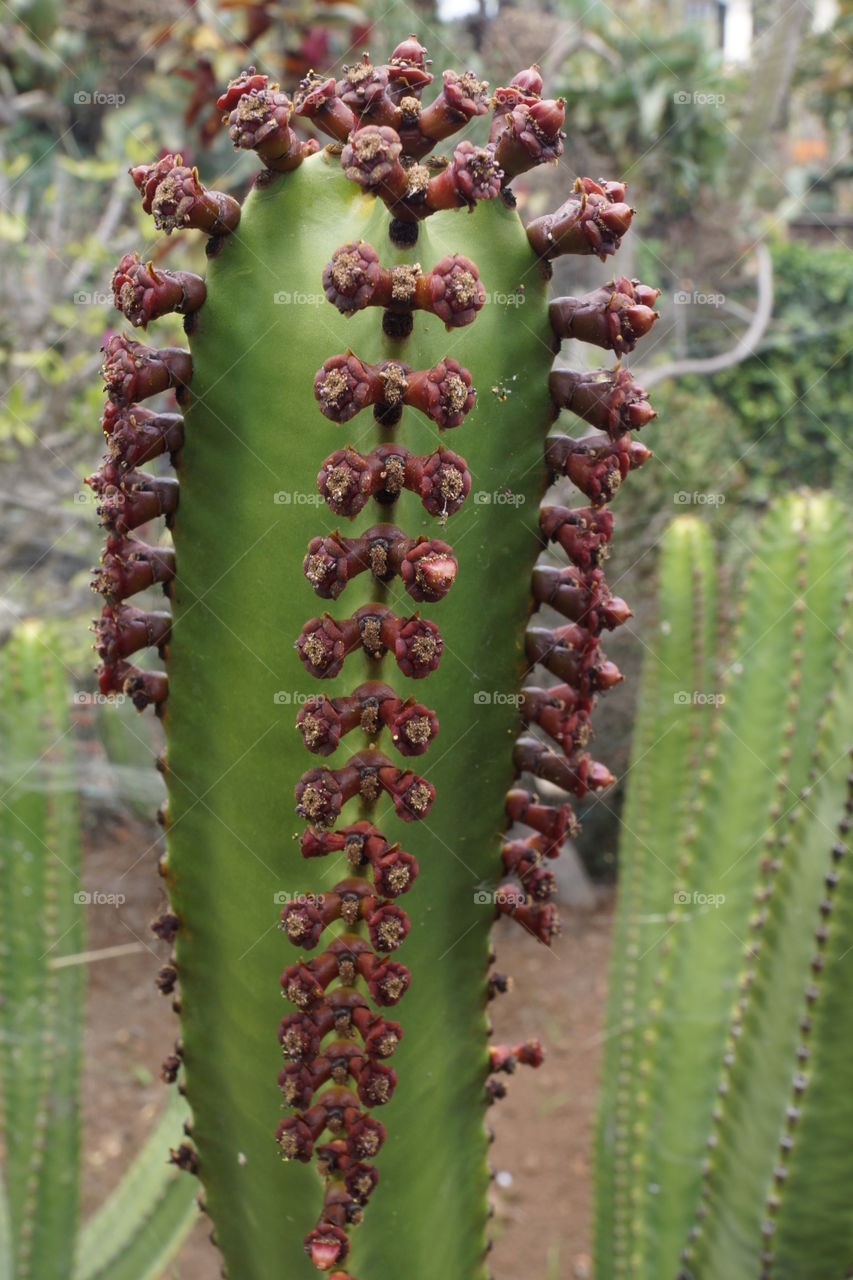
x=174 y=195
x=473 y=174
x=260 y=121
x=129 y=566
x=532 y=135
x=572 y=654
x=122 y=629
x=317 y=99
x=371 y=158
x=592 y=220
x=136 y=435
x=429 y=570
x=326 y=1246
x=583 y=533
x=444 y=393
x=577 y=775
x=133 y=372
x=554 y=824
x=579 y=595
x=294 y=1138
x=608 y=399
x=597 y=465
x=613 y=317
x=128 y=499
x=142 y=293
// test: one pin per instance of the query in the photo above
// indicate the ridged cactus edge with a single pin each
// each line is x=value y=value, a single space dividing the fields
x=365 y=399
x=722 y=1116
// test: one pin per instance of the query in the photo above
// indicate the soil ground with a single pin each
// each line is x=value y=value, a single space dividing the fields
x=543 y=1127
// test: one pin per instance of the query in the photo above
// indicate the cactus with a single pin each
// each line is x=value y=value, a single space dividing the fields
x=723 y=1124
x=365 y=301
x=134 y=1233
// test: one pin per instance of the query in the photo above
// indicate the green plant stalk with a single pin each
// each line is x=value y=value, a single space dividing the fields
x=747 y=1165
x=672 y=729
x=723 y=1034
x=41 y=1038
x=232 y=829
x=138 y=1228
x=274 y=380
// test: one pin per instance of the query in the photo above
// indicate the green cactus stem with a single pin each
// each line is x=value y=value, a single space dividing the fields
x=286 y=348
x=727 y=921
x=42 y=922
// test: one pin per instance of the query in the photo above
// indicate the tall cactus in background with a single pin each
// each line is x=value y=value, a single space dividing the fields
x=134 y=1233
x=276 y=446
x=724 y=1127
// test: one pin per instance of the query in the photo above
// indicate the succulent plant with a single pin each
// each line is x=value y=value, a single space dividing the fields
x=724 y=1124
x=302 y=404
x=139 y=1226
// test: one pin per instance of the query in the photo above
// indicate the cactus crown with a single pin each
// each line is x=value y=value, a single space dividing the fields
x=286 y=348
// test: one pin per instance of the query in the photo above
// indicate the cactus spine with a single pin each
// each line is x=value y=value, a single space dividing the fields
x=371 y=221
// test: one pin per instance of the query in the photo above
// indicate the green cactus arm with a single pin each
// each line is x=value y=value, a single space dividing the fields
x=758 y=760
x=671 y=729
x=232 y=847
x=747 y=1168
x=271 y=377
x=814 y=1226
x=6 y=1260
x=43 y=1006
x=141 y=1225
